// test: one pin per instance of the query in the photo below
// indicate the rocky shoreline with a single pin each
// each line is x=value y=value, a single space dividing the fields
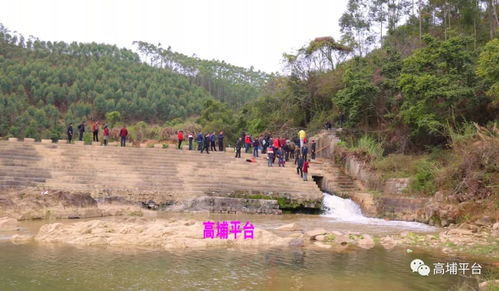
x=167 y=234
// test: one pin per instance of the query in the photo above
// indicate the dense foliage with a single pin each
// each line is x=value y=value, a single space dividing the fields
x=404 y=72
x=46 y=85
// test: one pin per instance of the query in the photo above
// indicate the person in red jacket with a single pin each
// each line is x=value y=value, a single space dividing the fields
x=247 y=143
x=106 y=134
x=306 y=165
x=180 y=137
x=276 y=143
x=123 y=135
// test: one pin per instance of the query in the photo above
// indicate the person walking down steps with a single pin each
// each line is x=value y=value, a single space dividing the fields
x=299 y=165
x=313 y=147
x=70 y=132
x=304 y=151
x=123 y=135
x=306 y=165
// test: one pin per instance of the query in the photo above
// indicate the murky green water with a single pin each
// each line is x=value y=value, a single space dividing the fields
x=62 y=267
x=38 y=267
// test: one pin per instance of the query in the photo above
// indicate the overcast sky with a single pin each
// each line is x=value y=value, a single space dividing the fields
x=241 y=32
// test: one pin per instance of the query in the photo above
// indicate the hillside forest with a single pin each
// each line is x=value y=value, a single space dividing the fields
x=417 y=82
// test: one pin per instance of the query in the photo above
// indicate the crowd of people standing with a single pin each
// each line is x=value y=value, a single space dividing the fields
x=282 y=149
x=95 y=133
x=205 y=142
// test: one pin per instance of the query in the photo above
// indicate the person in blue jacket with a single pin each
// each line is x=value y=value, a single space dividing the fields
x=213 y=140
x=199 y=140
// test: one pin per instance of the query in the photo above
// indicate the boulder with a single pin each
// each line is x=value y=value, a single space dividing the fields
x=8 y=224
x=366 y=242
x=296 y=235
x=460 y=231
x=289 y=227
x=439 y=196
x=315 y=232
x=322 y=245
x=320 y=237
x=495 y=226
x=483 y=221
x=388 y=243
x=297 y=242
x=489 y=285
x=19 y=239
x=342 y=240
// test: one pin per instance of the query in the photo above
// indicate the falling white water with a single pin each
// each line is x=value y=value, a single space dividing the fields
x=348 y=211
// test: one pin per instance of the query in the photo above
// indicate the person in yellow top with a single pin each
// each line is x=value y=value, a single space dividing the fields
x=302 y=135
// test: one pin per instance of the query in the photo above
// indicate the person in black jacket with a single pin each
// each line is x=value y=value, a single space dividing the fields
x=313 y=147
x=299 y=165
x=221 y=141
x=239 y=144
x=207 y=141
x=81 y=129
x=70 y=132
x=304 y=151
x=213 y=139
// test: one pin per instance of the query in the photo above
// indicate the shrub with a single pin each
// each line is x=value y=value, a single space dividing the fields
x=424 y=180
x=397 y=165
x=87 y=138
x=370 y=147
x=474 y=173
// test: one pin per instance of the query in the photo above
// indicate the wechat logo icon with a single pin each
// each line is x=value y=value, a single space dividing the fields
x=419 y=266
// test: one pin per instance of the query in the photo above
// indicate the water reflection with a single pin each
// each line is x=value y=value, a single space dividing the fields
x=35 y=267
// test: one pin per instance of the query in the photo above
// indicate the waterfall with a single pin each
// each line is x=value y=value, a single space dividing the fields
x=346 y=210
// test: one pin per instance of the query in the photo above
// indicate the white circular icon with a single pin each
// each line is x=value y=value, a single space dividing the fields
x=424 y=270
x=415 y=264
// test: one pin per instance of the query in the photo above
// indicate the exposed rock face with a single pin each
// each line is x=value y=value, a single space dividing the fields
x=227 y=205
x=33 y=204
x=440 y=210
x=156 y=234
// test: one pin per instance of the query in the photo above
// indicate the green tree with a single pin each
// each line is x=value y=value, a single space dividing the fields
x=488 y=69
x=112 y=118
